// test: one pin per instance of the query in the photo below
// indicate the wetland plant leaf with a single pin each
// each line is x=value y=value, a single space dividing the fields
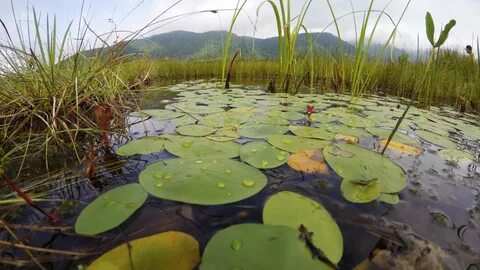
x=226 y=119
x=262 y=155
x=258 y=247
x=430 y=27
x=399 y=137
x=360 y=193
x=436 y=139
x=271 y=120
x=354 y=163
x=292 y=210
x=400 y=148
x=289 y=115
x=224 y=135
x=162 y=114
x=308 y=161
x=185 y=120
x=261 y=131
x=444 y=34
x=110 y=209
x=195 y=130
x=163 y=251
x=202 y=181
x=295 y=144
x=143 y=146
x=311 y=132
x=454 y=155
x=194 y=147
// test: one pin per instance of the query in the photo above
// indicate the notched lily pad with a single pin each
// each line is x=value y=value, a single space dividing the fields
x=195 y=130
x=295 y=144
x=311 y=132
x=168 y=251
x=110 y=209
x=202 y=181
x=357 y=192
x=292 y=210
x=194 y=147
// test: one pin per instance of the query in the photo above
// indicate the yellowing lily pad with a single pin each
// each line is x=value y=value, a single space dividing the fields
x=352 y=162
x=399 y=137
x=260 y=131
x=163 y=251
x=346 y=138
x=456 y=156
x=295 y=144
x=110 y=209
x=308 y=161
x=193 y=147
x=258 y=247
x=311 y=132
x=202 y=181
x=401 y=148
x=439 y=140
x=143 y=146
x=195 y=130
x=292 y=209
x=360 y=193
x=262 y=155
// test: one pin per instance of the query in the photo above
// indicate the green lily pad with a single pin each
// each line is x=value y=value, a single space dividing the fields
x=226 y=119
x=114 y=207
x=162 y=114
x=224 y=135
x=455 y=155
x=202 y=181
x=262 y=155
x=398 y=137
x=360 y=193
x=192 y=108
x=258 y=247
x=167 y=251
x=185 y=120
x=194 y=147
x=323 y=118
x=292 y=209
x=195 y=130
x=356 y=121
x=389 y=198
x=352 y=162
x=271 y=120
x=311 y=132
x=295 y=144
x=289 y=115
x=261 y=131
x=436 y=139
x=344 y=130
x=143 y=146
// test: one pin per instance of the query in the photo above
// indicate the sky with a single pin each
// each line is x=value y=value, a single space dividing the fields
x=131 y=15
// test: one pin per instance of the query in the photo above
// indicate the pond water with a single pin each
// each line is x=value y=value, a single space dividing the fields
x=429 y=221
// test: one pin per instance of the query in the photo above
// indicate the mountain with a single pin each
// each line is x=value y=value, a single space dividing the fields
x=209 y=45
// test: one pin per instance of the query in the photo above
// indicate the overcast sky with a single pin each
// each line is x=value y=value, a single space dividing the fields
x=131 y=15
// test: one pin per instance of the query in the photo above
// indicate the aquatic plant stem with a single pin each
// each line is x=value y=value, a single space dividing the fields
x=399 y=122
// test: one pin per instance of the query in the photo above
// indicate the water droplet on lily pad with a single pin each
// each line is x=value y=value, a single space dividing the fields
x=168 y=176
x=187 y=143
x=221 y=185
x=248 y=183
x=159 y=185
x=254 y=150
x=131 y=205
x=110 y=204
x=158 y=175
x=228 y=171
x=198 y=161
x=280 y=157
x=236 y=244
x=287 y=141
x=264 y=163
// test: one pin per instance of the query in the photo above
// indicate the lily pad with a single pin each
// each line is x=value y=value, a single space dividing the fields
x=261 y=131
x=163 y=251
x=352 y=162
x=311 y=132
x=143 y=146
x=455 y=155
x=258 y=247
x=226 y=119
x=289 y=115
x=400 y=148
x=195 y=130
x=356 y=121
x=399 y=137
x=295 y=144
x=360 y=193
x=202 y=181
x=308 y=161
x=292 y=209
x=271 y=120
x=193 y=147
x=162 y=114
x=389 y=198
x=192 y=108
x=224 y=135
x=262 y=155
x=344 y=130
x=436 y=139
x=114 y=207
x=186 y=120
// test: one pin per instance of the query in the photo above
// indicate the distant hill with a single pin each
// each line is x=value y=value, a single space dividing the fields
x=209 y=45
